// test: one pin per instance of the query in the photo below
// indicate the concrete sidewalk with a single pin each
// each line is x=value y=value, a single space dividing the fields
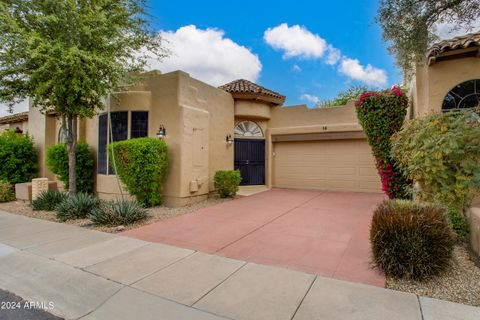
x=93 y=275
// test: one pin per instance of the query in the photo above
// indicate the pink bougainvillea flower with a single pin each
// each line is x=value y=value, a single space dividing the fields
x=397 y=91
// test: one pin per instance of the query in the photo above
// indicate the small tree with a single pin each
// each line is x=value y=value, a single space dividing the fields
x=341 y=99
x=410 y=25
x=68 y=55
x=381 y=114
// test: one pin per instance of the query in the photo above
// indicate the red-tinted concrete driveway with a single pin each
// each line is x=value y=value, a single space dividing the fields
x=325 y=233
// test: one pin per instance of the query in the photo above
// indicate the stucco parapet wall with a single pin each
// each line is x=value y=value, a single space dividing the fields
x=131 y=99
x=302 y=116
x=320 y=128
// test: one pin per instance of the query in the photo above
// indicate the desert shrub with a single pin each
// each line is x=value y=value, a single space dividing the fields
x=6 y=192
x=18 y=158
x=457 y=222
x=120 y=212
x=381 y=114
x=57 y=162
x=441 y=152
x=411 y=240
x=226 y=182
x=141 y=164
x=78 y=206
x=48 y=200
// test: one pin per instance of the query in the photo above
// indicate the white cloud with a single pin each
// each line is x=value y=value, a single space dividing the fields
x=296 y=68
x=19 y=107
x=295 y=41
x=207 y=55
x=310 y=98
x=369 y=74
x=333 y=55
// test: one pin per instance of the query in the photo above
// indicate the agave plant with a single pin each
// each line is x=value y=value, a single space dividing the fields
x=48 y=200
x=118 y=212
x=77 y=207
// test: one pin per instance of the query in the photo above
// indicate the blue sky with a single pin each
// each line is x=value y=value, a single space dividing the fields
x=284 y=46
x=293 y=61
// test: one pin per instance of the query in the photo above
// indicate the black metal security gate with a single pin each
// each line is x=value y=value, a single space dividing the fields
x=250 y=160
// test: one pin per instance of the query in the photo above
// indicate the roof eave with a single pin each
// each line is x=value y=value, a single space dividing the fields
x=259 y=97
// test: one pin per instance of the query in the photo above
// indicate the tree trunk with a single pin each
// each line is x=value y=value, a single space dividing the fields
x=72 y=160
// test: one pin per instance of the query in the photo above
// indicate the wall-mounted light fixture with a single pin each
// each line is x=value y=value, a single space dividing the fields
x=161 y=133
x=229 y=139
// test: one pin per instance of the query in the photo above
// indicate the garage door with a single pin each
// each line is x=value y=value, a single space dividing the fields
x=336 y=165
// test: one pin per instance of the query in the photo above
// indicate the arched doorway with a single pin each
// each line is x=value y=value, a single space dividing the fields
x=250 y=152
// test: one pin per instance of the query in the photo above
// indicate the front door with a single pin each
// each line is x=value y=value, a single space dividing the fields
x=250 y=160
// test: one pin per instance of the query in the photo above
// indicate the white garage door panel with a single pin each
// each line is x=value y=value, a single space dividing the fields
x=337 y=165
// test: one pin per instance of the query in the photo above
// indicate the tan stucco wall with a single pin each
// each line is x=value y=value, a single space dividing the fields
x=301 y=120
x=252 y=109
x=43 y=130
x=197 y=117
x=432 y=83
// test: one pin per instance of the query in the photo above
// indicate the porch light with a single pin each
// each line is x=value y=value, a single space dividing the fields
x=162 y=132
x=229 y=139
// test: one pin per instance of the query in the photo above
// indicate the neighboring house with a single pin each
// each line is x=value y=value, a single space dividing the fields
x=18 y=122
x=245 y=126
x=451 y=78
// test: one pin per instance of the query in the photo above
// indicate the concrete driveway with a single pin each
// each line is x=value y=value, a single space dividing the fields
x=324 y=233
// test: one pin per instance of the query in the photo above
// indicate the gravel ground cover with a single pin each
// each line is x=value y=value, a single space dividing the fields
x=461 y=283
x=154 y=214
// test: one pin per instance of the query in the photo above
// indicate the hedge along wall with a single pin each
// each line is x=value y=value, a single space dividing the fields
x=381 y=114
x=18 y=158
x=57 y=162
x=141 y=165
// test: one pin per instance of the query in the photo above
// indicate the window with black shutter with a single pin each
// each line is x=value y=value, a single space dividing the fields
x=102 y=144
x=139 y=124
x=119 y=132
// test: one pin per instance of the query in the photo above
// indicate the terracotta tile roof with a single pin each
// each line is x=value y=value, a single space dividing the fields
x=17 y=117
x=243 y=89
x=461 y=42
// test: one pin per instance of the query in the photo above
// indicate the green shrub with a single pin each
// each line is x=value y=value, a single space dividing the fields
x=441 y=152
x=78 y=206
x=120 y=212
x=381 y=114
x=141 y=165
x=57 y=162
x=48 y=200
x=18 y=158
x=226 y=182
x=6 y=192
x=411 y=240
x=457 y=222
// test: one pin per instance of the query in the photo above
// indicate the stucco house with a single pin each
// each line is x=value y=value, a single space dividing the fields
x=245 y=126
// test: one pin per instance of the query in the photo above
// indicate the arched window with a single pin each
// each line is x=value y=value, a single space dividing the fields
x=248 y=129
x=463 y=96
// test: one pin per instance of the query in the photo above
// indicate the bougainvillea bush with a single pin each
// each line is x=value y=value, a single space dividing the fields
x=381 y=114
x=441 y=152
